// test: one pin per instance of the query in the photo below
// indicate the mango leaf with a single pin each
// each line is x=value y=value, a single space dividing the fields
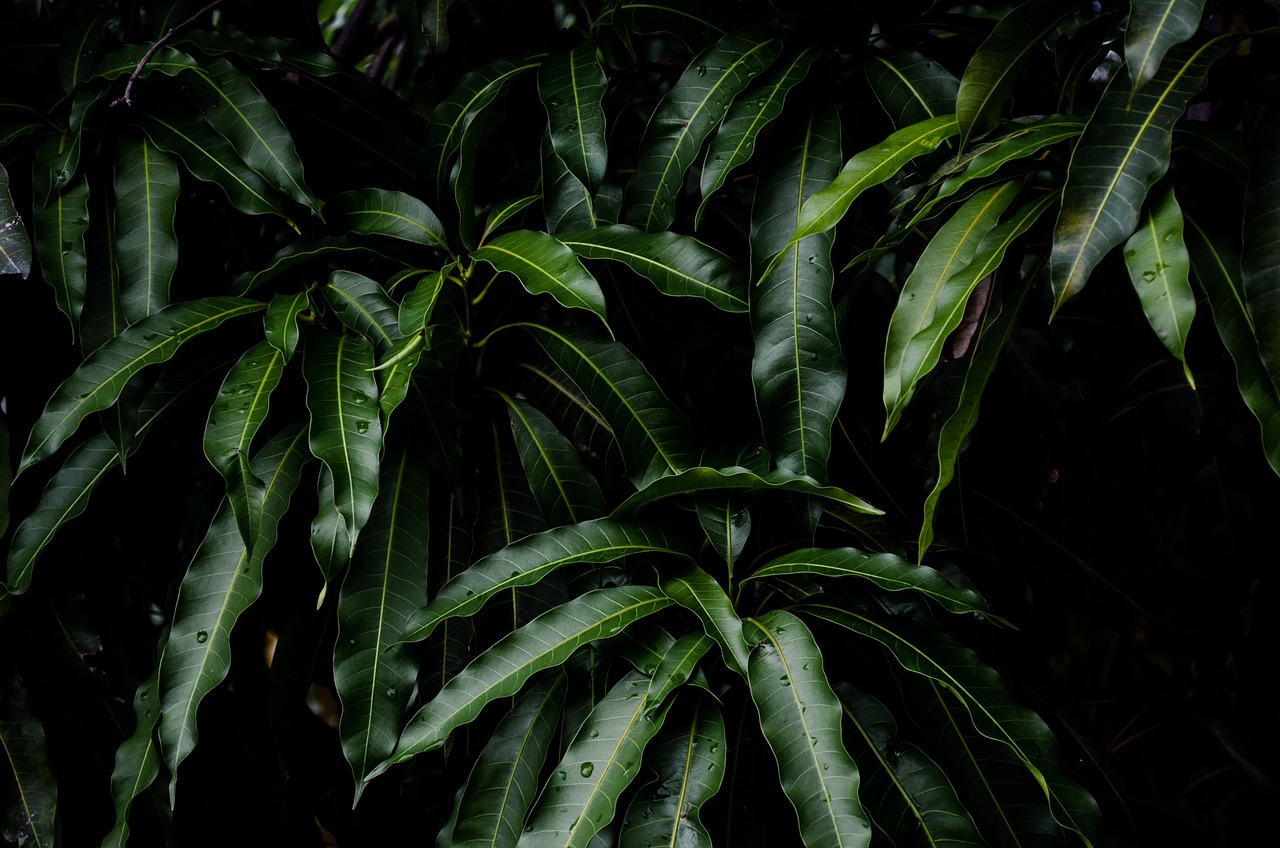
x=1160 y=271
x=56 y=170
x=330 y=543
x=1216 y=263
x=146 y=192
x=529 y=560
x=982 y=693
x=80 y=40
x=888 y=571
x=544 y=266
x=709 y=479
x=1124 y=150
x=903 y=789
x=930 y=306
x=986 y=159
x=98 y=381
x=910 y=87
x=15 y=247
x=394 y=214
x=727 y=524
x=698 y=592
x=365 y=307
x=1260 y=258
x=28 y=789
x=565 y=490
x=58 y=228
x=655 y=437
x=687 y=114
x=582 y=792
x=1153 y=27
x=680 y=266
x=695 y=22
x=997 y=64
x=798 y=369
x=223 y=580
x=735 y=141
x=280 y=324
x=800 y=719
x=235 y=416
x=677 y=665
x=435 y=25
x=294 y=255
x=499 y=672
x=491 y=808
x=137 y=763
x=502 y=212
x=566 y=203
x=103 y=316
x=416 y=306
x=688 y=757
x=571 y=85
x=345 y=432
x=385 y=583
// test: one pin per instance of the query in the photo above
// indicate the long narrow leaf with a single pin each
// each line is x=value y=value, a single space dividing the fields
x=544 y=266
x=394 y=214
x=58 y=227
x=698 y=592
x=676 y=667
x=365 y=307
x=572 y=85
x=565 y=490
x=146 y=192
x=28 y=790
x=911 y=87
x=1260 y=254
x=1153 y=27
x=1160 y=271
x=709 y=479
x=137 y=763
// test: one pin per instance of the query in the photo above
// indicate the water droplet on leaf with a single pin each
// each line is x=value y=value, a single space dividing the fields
x=202 y=636
x=585 y=769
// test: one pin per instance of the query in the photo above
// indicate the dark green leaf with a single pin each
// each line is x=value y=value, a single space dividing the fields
x=416 y=307
x=676 y=667
x=58 y=229
x=709 y=479
x=365 y=307
x=137 y=762
x=1160 y=271
x=544 y=266
x=1260 y=257
x=698 y=592
x=330 y=543
x=504 y=211
x=372 y=211
x=28 y=790
x=146 y=192
x=563 y=487
x=572 y=85
x=280 y=324
x=911 y=87
x=566 y=203
x=79 y=42
x=1153 y=27
x=294 y=255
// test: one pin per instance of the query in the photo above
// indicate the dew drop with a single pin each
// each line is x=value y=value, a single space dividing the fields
x=586 y=769
x=594 y=734
x=202 y=636
x=362 y=426
x=391 y=692
x=563 y=774
x=662 y=791
x=359 y=397
x=785 y=680
x=1149 y=276
x=715 y=746
x=353 y=640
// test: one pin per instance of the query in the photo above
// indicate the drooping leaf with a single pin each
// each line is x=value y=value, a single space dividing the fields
x=544 y=266
x=15 y=247
x=386 y=582
x=1153 y=27
x=571 y=85
x=1260 y=253
x=394 y=214
x=1160 y=271
x=565 y=490
x=798 y=368
x=365 y=307
x=698 y=592
x=345 y=432
x=709 y=479
x=689 y=111
x=280 y=324
x=103 y=316
x=1124 y=150
x=223 y=580
x=680 y=266
x=910 y=87
x=290 y=257
x=695 y=22
x=985 y=159
x=98 y=381
x=800 y=719
x=677 y=665
x=137 y=763
x=146 y=192
x=529 y=560
x=28 y=790
x=58 y=227
x=416 y=306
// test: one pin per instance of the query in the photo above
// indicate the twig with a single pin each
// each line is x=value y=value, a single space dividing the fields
x=142 y=63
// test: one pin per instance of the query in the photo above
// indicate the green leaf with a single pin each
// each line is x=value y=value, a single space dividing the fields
x=1160 y=271
x=234 y=418
x=655 y=437
x=499 y=672
x=1260 y=258
x=983 y=160
x=504 y=211
x=435 y=25
x=544 y=266
x=58 y=227
x=330 y=543
x=761 y=103
x=280 y=324
x=345 y=432
x=689 y=757
x=709 y=479
x=137 y=763
x=386 y=582
x=571 y=85
x=28 y=790
x=798 y=369
x=146 y=192
x=687 y=114
x=1216 y=263
x=695 y=22
x=223 y=580
x=492 y=806
x=98 y=381
x=566 y=202
x=904 y=790
x=298 y=253
x=885 y=570
x=417 y=305
x=676 y=667
x=698 y=592
x=582 y=792
x=930 y=306
x=800 y=719
x=565 y=490
x=529 y=560
x=680 y=266
x=15 y=247
x=394 y=214
x=365 y=307
x=80 y=40
x=1153 y=27
x=103 y=316
x=727 y=524
x=911 y=88
x=1124 y=150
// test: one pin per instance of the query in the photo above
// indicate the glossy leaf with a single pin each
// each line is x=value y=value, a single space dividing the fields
x=365 y=307
x=15 y=247
x=385 y=583
x=565 y=490
x=543 y=643
x=416 y=307
x=677 y=665
x=223 y=580
x=689 y=111
x=502 y=212
x=1260 y=254
x=727 y=524
x=709 y=479
x=529 y=560
x=798 y=369
x=394 y=214
x=566 y=203
x=146 y=193
x=800 y=719
x=98 y=381
x=986 y=159
x=698 y=592
x=930 y=306
x=654 y=435
x=572 y=85
x=1153 y=27
x=296 y=254
x=911 y=88
x=30 y=791
x=345 y=432
x=137 y=763
x=58 y=228
x=330 y=543
x=997 y=64
x=280 y=324
x=79 y=42
x=680 y=266
x=1160 y=271
x=1124 y=150
x=544 y=266
x=760 y=104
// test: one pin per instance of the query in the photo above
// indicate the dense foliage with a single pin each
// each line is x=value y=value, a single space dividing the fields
x=558 y=423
